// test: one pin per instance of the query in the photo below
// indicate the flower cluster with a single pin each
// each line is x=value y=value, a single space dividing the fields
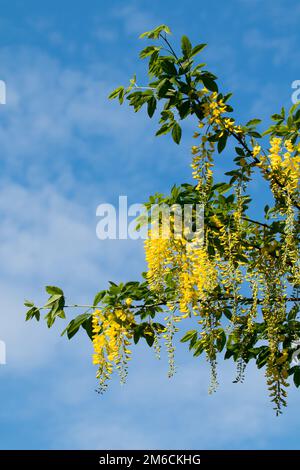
x=194 y=277
x=202 y=164
x=214 y=109
x=193 y=271
x=157 y=253
x=112 y=333
x=282 y=164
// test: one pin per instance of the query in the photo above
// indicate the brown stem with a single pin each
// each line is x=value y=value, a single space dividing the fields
x=257 y=222
x=241 y=300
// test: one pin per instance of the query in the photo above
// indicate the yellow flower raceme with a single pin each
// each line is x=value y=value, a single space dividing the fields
x=202 y=164
x=214 y=109
x=190 y=265
x=157 y=251
x=112 y=333
x=284 y=164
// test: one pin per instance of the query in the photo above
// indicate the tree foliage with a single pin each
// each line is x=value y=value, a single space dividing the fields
x=239 y=289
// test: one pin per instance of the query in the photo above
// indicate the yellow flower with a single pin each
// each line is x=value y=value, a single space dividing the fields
x=256 y=150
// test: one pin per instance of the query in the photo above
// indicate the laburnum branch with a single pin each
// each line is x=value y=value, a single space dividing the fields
x=160 y=304
x=261 y=224
x=207 y=281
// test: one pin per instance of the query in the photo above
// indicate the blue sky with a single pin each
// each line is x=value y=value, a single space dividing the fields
x=64 y=149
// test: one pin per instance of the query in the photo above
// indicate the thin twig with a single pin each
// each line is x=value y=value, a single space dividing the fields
x=160 y=304
x=257 y=222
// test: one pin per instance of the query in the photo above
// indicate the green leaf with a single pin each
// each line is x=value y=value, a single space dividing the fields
x=28 y=303
x=228 y=354
x=115 y=93
x=155 y=33
x=199 y=348
x=49 y=319
x=53 y=290
x=230 y=199
x=121 y=96
x=60 y=314
x=137 y=334
x=276 y=117
x=296 y=377
x=184 y=109
x=221 y=341
x=165 y=128
x=148 y=51
x=227 y=313
x=52 y=300
x=240 y=151
x=262 y=356
x=153 y=63
x=197 y=49
x=222 y=142
x=255 y=134
x=186 y=46
x=163 y=87
x=151 y=106
x=176 y=133
x=168 y=67
x=98 y=297
x=33 y=313
x=75 y=324
x=221 y=187
x=253 y=122
x=88 y=327
x=293 y=109
x=149 y=339
x=209 y=83
x=188 y=336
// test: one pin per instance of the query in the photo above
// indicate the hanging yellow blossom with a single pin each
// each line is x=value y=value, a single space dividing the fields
x=112 y=333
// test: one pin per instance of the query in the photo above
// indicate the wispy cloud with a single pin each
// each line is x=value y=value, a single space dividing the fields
x=175 y=413
x=64 y=149
x=53 y=109
x=281 y=47
x=47 y=239
x=135 y=19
